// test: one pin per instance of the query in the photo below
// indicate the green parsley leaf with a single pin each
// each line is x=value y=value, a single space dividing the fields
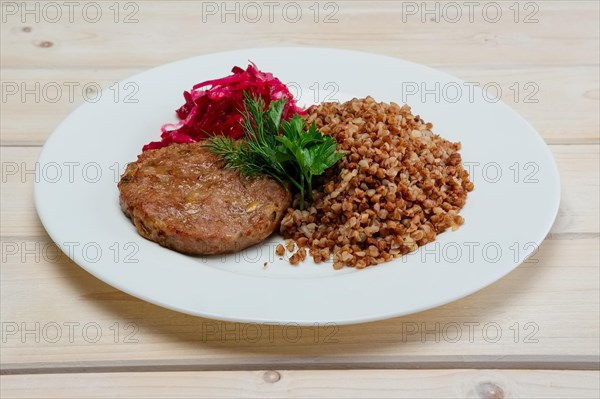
x=280 y=149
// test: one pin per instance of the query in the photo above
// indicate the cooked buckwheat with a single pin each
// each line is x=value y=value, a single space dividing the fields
x=398 y=186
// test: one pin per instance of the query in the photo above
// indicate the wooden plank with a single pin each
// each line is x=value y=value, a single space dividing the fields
x=302 y=384
x=579 y=169
x=159 y=33
x=44 y=294
x=537 y=93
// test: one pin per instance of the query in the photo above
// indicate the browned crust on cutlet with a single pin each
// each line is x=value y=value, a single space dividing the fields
x=183 y=198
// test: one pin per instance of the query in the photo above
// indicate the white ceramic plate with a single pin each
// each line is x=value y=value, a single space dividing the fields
x=507 y=216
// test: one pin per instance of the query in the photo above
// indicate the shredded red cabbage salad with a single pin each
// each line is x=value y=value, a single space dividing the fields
x=213 y=107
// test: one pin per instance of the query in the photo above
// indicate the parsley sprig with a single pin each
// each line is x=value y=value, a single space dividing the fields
x=283 y=150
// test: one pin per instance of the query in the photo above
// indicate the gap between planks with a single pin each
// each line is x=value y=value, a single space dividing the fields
x=540 y=362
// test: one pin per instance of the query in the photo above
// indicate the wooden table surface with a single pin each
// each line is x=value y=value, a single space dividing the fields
x=534 y=333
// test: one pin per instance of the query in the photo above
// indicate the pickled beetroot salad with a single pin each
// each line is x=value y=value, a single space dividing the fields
x=212 y=107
